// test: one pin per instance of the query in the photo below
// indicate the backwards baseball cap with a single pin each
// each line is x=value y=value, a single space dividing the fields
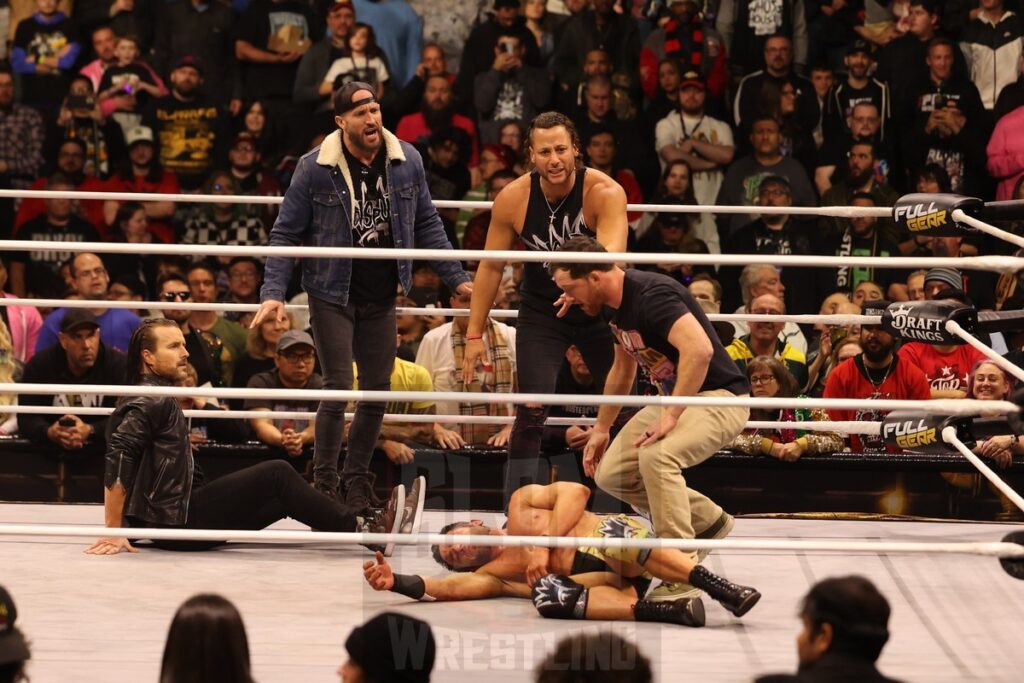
x=294 y=338
x=948 y=276
x=138 y=134
x=393 y=647
x=76 y=318
x=344 y=99
x=188 y=60
x=692 y=79
x=12 y=643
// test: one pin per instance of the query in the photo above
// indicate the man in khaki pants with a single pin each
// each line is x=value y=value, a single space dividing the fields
x=658 y=325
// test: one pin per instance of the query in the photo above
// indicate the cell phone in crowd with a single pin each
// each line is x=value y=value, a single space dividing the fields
x=423 y=296
x=81 y=102
x=508 y=47
x=66 y=422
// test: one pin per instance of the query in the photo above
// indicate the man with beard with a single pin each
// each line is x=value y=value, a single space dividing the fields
x=859 y=87
x=864 y=125
x=860 y=177
x=151 y=478
x=91 y=283
x=190 y=128
x=436 y=113
x=859 y=236
x=173 y=287
x=876 y=373
x=366 y=188
x=558 y=201
x=510 y=90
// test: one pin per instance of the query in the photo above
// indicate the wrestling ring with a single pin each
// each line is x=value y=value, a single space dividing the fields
x=953 y=586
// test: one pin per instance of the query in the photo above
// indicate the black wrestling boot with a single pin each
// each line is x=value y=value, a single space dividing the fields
x=737 y=599
x=685 y=611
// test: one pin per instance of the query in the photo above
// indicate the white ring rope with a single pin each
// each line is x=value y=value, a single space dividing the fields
x=840 y=427
x=988 y=549
x=825 y=319
x=954 y=327
x=959 y=216
x=951 y=406
x=949 y=436
x=1007 y=264
x=832 y=211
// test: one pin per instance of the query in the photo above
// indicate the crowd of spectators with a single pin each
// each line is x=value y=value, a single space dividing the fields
x=788 y=103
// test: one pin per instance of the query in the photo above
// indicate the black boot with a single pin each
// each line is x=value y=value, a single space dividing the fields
x=685 y=611
x=359 y=494
x=736 y=599
x=331 y=489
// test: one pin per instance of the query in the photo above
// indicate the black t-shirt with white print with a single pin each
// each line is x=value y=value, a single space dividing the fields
x=372 y=279
x=651 y=304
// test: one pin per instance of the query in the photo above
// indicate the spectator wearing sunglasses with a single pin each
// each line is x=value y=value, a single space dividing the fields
x=203 y=355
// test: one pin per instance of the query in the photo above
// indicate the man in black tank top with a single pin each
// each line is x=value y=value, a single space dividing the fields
x=562 y=199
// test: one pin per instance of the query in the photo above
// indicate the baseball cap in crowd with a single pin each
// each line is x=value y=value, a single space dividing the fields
x=692 y=79
x=860 y=45
x=506 y=4
x=947 y=276
x=244 y=136
x=138 y=134
x=12 y=642
x=188 y=60
x=76 y=318
x=294 y=338
x=341 y=4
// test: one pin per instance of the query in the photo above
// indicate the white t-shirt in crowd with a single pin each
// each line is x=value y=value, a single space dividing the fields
x=371 y=71
x=436 y=355
x=677 y=127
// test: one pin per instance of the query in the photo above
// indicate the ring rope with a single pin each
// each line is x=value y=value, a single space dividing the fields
x=954 y=327
x=949 y=435
x=825 y=318
x=841 y=427
x=951 y=406
x=989 y=549
x=959 y=216
x=1003 y=264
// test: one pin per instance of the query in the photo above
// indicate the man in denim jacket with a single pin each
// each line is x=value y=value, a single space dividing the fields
x=362 y=187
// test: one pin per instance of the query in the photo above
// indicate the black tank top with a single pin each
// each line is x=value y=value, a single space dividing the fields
x=546 y=228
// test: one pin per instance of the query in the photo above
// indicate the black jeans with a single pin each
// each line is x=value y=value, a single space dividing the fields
x=365 y=333
x=541 y=343
x=255 y=498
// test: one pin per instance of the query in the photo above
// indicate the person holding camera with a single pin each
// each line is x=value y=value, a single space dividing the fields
x=510 y=90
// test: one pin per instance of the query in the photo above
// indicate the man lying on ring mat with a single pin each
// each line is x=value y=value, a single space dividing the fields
x=567 y=583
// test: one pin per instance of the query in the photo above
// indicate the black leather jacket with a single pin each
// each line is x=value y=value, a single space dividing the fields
x=149 y=453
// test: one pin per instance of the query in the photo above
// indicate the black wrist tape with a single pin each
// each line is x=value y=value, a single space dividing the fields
x=409 y=585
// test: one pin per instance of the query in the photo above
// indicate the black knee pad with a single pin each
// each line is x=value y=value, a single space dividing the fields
x=558 y=597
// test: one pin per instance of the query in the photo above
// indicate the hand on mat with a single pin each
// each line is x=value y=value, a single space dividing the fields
x=500 y=440
x=594 y=449
x=110 y=546
x=656 y=431
x=474 y=354
x=378 y=574
x=537 y=567
x=563 y=303
x=269 y=310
